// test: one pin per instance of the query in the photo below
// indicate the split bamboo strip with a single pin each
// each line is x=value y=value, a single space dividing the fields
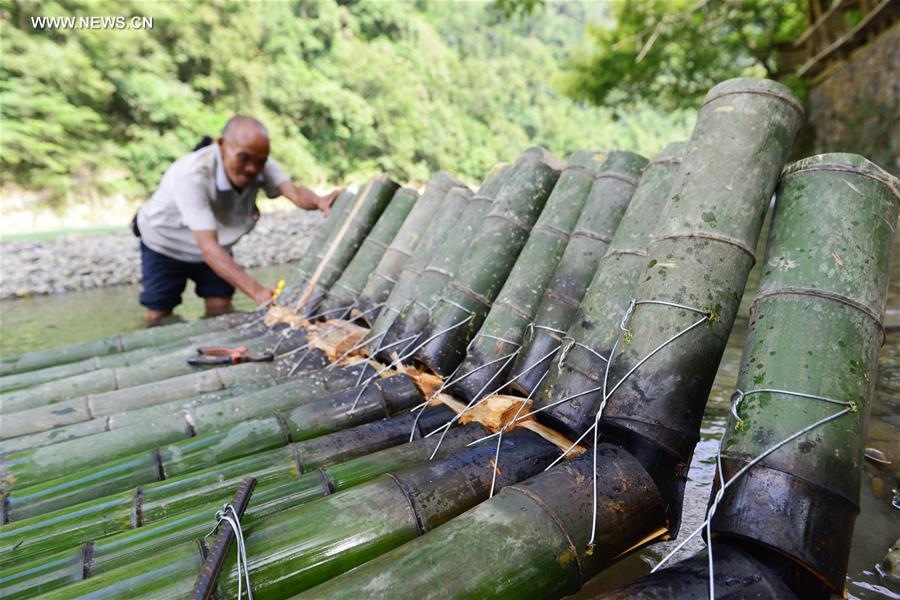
x=344 y=292
x=368 y=206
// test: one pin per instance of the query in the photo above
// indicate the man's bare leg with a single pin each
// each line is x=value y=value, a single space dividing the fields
x=155 y=316
x=217 y=305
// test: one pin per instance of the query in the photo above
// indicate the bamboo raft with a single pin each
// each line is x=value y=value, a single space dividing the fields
x=488 y=393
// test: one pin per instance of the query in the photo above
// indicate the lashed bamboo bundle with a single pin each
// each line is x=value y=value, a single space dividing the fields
x=597 y=245
x=500 y=338
x=148 y=435
x=632 y=366
x=562 y=529
x=790 y=457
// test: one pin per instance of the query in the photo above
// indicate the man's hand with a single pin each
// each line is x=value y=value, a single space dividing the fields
x=324 y=202
x=263 y=297
x=307 y=199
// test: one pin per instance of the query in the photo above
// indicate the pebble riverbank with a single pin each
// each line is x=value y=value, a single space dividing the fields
x=83 y=261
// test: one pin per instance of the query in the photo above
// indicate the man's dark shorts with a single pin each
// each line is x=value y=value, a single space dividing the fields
x=164 y=280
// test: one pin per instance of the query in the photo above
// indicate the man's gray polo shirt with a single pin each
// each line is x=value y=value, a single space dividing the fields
x=195 y=195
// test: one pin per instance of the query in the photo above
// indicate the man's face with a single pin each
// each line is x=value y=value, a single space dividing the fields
x=243 y=158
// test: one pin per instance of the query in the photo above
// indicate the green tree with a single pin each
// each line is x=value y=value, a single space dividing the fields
x=346 y=88
x=673 y=51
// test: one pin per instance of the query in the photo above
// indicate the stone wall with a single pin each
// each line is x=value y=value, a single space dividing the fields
x=856 y=108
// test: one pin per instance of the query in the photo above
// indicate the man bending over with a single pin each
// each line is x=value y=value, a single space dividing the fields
x=205 y=203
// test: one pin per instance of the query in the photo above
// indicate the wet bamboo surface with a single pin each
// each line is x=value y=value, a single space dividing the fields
x=661 y=354
x=629 y=195
x=466 y=299
x=344 y=292
x=407 y=326
x=61 y=485
x=405 y=244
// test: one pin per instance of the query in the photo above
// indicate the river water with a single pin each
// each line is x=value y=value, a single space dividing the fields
x=47 y=321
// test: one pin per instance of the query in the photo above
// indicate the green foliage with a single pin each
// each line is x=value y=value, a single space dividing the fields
x=347 y=88
x=675 y=50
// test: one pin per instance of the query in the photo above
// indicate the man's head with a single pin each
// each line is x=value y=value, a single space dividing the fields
x=245 y=147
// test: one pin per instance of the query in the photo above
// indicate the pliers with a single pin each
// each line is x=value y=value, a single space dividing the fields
x=217 y=355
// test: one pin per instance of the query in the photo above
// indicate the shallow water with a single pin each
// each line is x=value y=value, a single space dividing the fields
x=48 y=321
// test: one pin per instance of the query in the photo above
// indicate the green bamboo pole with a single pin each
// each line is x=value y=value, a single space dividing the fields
x=404 y=245
x=157 y=368
x=603 y=211
x=118 y=420
x=318 y=540
x=485 y=366
x=321 y=239
x=348 y=286
x=30 y=540
x=710 y=227
x=595 y=324
x=438 y=231
x=20 y=469
x=414 y=316
x=312 y=418
x=97 y=407
x=378 y=193
x=743 y=133
x=26 y=379
x=825 y=280
x=488 y=261
x=535 y=534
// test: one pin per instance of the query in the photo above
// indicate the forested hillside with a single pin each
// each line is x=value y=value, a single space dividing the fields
x=346 y=88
